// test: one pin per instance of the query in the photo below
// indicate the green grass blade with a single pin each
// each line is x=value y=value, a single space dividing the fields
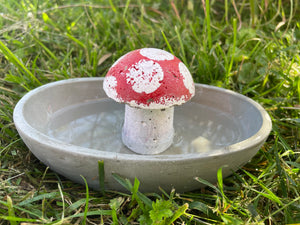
x=13 y=59
x=51 y=195
x=284 y=206
x=147 y=201
x=220 y=181
x=92 y=213
x=269 y=194
x=86 y=201
x=178 y=213
x=181 y=46
x=253 y=12
x=101 y=174
x=204 y=208
x=29 y=212
x=123 y=181
x=11 y=211
x=51 y=54
x=63 y=203
x=81 y=44
x=298 y=88
x=14 y=220
x=208 y=184
x=167 y=42
x=75 y=205
x=208 y=26
x=295 y=164
x=112 y=6
x=135 y=189
x=126 y=8
x=226 y=11
x=115 y=204
x=231 y=53
x=135 y=194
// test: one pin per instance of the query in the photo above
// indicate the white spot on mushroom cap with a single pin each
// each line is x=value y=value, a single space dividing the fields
x=109 y=86
x=156 y=54
x=187 y=78
x=145 y=76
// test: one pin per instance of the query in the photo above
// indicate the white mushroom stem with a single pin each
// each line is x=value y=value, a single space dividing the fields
x=148 y=131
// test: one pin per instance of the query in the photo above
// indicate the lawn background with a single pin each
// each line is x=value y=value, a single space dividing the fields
x=251 y=47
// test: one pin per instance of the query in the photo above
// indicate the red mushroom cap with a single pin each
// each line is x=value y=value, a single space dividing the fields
x=149 y=78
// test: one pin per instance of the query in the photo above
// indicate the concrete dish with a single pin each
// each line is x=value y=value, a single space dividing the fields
x=174 y=168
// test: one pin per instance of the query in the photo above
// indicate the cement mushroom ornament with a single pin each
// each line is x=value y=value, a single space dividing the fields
x=150 y=81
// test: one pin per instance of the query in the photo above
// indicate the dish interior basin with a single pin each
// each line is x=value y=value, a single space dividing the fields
x=70 y=125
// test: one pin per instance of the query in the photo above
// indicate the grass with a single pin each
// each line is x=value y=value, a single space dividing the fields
x=251 y=47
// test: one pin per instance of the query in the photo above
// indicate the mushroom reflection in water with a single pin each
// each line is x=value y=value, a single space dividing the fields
x=150 y=81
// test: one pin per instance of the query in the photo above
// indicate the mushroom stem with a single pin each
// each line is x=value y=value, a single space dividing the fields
x=148 y=131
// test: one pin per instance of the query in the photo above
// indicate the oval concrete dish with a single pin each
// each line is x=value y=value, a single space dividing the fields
x=70 y=125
